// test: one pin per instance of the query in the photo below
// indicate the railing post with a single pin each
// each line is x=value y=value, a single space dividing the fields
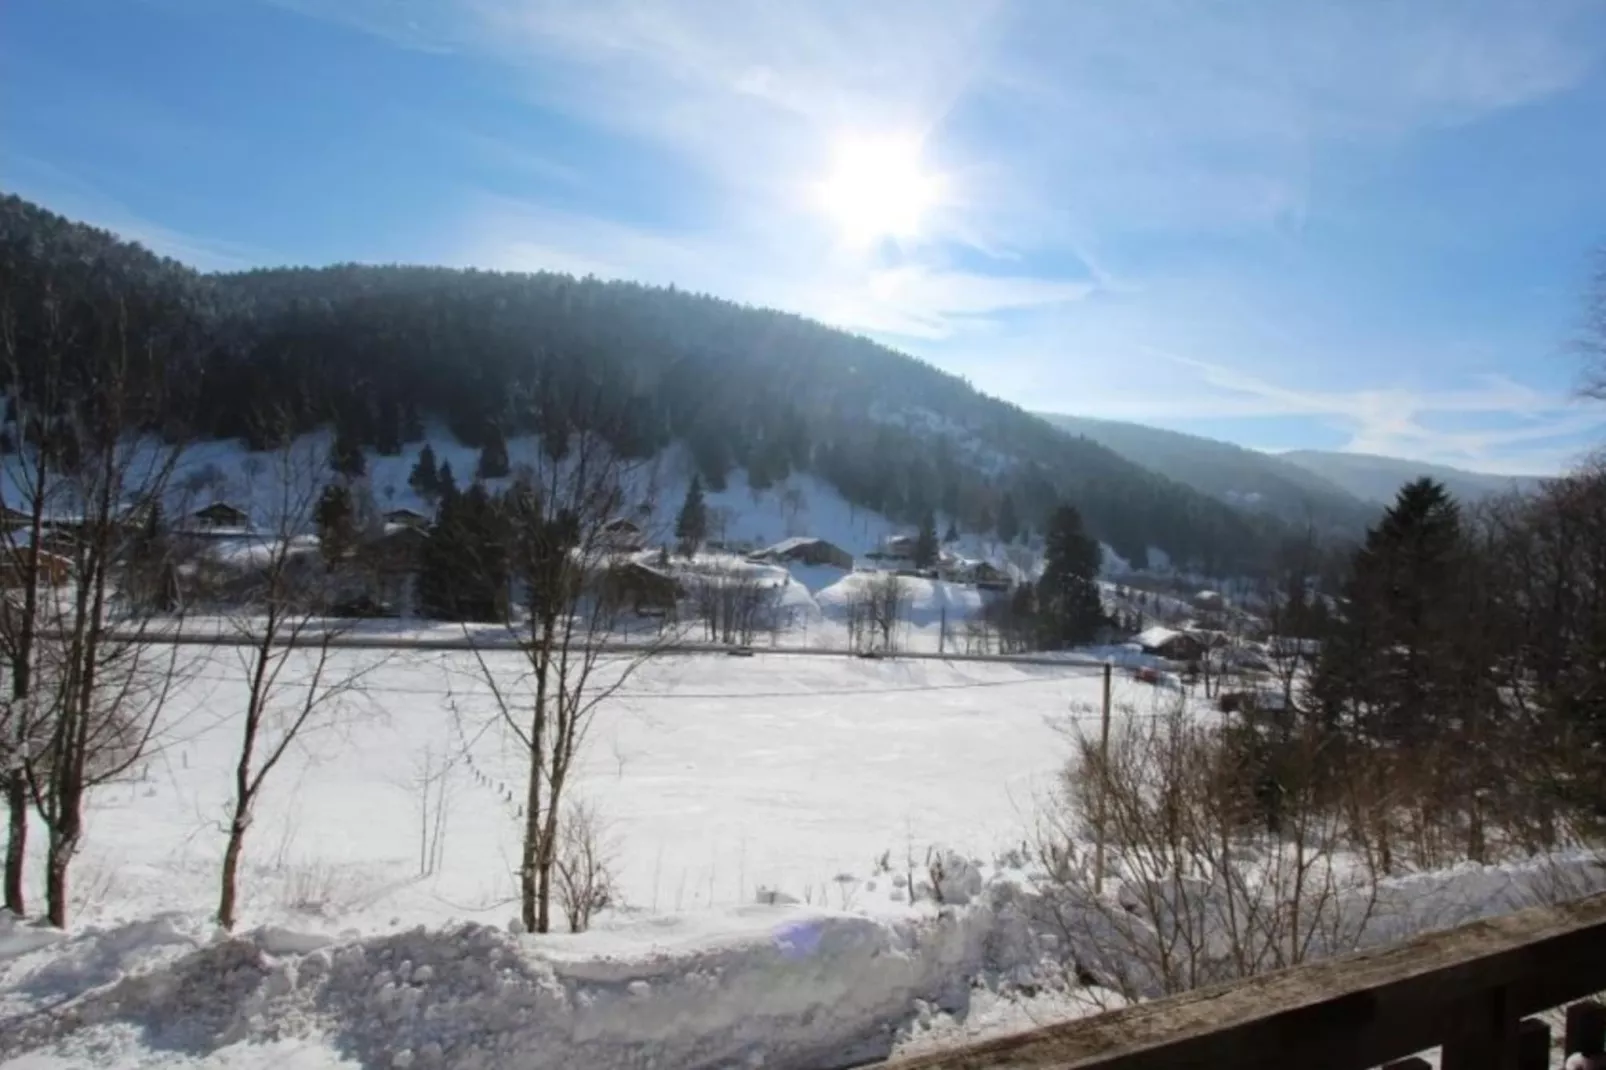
x=1485 y=1035
x=1533 y=1045
x=1586 y=1029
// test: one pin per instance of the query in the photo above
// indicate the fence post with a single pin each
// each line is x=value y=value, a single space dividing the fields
x=1586 y=1029
x=1103 y=787
x=1485 y=1036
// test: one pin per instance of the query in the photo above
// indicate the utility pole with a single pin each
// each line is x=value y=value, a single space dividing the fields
x=1102 y=787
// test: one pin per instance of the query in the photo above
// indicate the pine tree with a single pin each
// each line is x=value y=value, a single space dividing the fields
x=1008 y=522
x=691 y=526
x=493 y=462
x=1393 y=664
x=951 y=536
x=336 y=519
x=346 y=456
x=425 y=477
x=1069 y=608
x=445 y=482
x=926 y=542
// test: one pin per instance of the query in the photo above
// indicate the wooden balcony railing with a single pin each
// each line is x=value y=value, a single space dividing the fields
x=1468 y=991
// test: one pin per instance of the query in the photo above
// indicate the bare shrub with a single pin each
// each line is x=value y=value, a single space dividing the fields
x=1228 y=856
x=583 y=867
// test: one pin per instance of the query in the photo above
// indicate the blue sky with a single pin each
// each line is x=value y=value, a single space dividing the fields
x=1332 y=224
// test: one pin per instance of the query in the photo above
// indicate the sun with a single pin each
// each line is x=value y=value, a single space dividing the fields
x=877 y=189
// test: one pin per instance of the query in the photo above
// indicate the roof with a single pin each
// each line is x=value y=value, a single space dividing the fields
x=1157 y=636
x=797 y=542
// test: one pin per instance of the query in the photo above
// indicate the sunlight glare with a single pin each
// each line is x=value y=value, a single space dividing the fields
x=877 y=188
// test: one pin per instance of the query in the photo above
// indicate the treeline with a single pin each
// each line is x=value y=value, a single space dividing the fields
x=379 y=351
x=1462 y=674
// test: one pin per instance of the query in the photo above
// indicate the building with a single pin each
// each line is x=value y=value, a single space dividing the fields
x=54 y=569
x=220 y=516
x=648 y=591
x=805 y=550
x=989 y=577
x=1169 y=643
x=410 y=518
x=623 y=535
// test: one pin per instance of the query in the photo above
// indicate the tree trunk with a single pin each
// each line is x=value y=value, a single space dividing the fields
x=529 y=889
x=58 y=859
x=231 y=871
x=17 y=841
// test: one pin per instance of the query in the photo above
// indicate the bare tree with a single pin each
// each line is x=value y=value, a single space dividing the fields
x=583 y=867
x=735 y=604
x=1592 y=341
x=93 y=679
x=561 y=553
x=887 y=606
x=295 y=682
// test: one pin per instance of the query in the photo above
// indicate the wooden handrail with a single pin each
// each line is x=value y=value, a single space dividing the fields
x=1464 y=988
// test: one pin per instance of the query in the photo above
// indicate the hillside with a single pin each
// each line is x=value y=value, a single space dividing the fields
x=1377 y=479
x=1245 y=478
x=378 y=352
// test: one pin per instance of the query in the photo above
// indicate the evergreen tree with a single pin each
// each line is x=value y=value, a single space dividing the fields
x=1068 y=605
x=1392 y=664
x=445 y=482
x=691 y=526
x=1008 y=521
x=345 y=456
x=926 y=542
x=425 y=477
x=493 y=462
x=952 y=534
x=336 y=519
x=464 y=565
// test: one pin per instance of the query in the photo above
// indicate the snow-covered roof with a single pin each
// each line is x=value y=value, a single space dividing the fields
x=1157 y=636
x=796 y=542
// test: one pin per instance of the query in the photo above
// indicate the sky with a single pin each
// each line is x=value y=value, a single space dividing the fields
x=1367 y=225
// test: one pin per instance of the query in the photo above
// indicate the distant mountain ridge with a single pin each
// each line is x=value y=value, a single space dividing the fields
x=1247 y=479
x=1338 y=493
x=1376 y=478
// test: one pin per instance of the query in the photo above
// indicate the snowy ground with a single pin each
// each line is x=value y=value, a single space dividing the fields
x=823 y=781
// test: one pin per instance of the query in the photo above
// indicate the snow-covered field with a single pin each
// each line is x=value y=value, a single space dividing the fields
x=817 y=785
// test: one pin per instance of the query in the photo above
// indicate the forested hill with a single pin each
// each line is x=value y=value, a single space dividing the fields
x=1255 y=481
x=380 y=350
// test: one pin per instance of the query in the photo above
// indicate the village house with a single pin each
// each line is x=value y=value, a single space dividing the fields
x=623 y=535
x=219 y=516
x=53 y=568
x=648 y=591
x=404 y=517
x=1170 y=643
x=806 y=550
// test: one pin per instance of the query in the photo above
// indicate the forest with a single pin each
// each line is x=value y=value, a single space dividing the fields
x=379 y=352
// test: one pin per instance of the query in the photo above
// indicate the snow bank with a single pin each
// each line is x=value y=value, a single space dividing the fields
x=777 y=986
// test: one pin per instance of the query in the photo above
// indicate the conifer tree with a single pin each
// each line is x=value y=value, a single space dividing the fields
x=1069 y=609
x=691 y=526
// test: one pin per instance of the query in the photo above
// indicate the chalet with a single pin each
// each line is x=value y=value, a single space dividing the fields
x=623 y=535
x=1169 y=643
x=648 y=591
x=220 y=516
x=410 y=518
x=806 y=551
x=988 y=576
x=54 y=569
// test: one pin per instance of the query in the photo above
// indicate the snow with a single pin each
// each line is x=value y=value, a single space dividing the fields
x=769 y=818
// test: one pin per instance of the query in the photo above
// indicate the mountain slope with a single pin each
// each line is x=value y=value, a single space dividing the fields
x=1378 y=479
x=378 y=351
x=1250 y=480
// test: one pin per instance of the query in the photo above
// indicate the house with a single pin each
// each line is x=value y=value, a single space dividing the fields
x=805 y=550
x=394 y=558
x=220 y=515
x=410 y=518
x=1169 y=643
x=648 y=591
x=54 y=569
x=988 y=576
x=623 y=535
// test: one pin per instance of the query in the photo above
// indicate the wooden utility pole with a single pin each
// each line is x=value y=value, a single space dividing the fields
x=1102 y=788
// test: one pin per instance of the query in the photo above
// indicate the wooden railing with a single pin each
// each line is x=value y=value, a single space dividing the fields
x=1469 y=991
